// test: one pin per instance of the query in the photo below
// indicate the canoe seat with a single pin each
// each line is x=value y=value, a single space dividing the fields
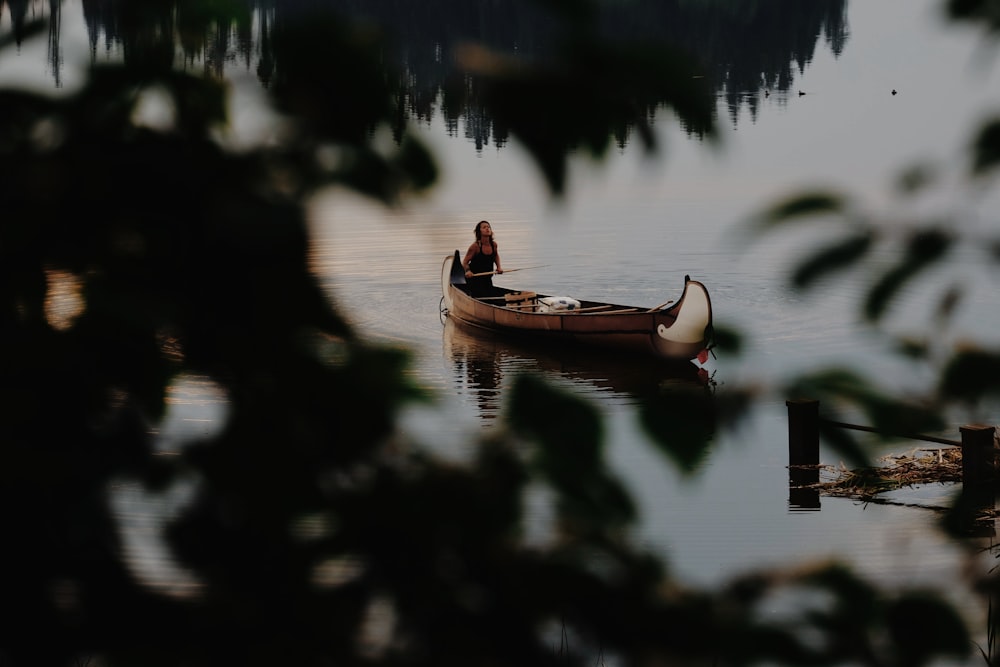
x=516 y=297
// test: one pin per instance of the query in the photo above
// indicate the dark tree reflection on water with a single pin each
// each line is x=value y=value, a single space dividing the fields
x=745 y=49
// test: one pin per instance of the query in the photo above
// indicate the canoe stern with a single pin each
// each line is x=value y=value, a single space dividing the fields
x=689 y=331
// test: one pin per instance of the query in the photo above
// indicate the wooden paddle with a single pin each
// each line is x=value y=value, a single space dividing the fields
x=491 y=273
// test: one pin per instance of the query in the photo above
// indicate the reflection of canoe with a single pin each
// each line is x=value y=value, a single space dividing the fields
x=673 y=399
x=681 y=331
x=483 y=361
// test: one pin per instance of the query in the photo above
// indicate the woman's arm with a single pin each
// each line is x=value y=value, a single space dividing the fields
x=469 y=254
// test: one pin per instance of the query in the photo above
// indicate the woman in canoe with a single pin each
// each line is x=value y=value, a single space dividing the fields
x=480 y=258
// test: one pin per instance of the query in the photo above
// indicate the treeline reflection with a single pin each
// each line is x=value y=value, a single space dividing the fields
x=747 y=49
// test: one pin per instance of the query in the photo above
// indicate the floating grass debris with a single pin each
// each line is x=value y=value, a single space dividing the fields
x=939 y=465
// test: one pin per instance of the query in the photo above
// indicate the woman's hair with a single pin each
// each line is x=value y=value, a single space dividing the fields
x=479 y=235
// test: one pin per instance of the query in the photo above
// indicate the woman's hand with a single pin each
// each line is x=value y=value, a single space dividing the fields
x=499 y=270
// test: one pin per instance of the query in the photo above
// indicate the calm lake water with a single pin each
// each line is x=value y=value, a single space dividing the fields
x=628 y=232
x=631 y=229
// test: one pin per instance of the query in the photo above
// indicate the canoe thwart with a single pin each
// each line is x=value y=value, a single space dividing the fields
x=509 y=297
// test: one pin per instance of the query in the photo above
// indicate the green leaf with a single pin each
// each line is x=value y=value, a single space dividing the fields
x=986 y=149
x=948 y=303
x=971 y=375
x=838 y=256
x=416 y=163
x=975 y=10
x=924 y=628
x=856 y=600
x=913 y=348
x=924 y=249
x=805 y=205
x=828 y=385
x=200 y=102
x=915 y=179
x=726 y=339
x=844 y=443
x=681 y=421
x=894 y=417
x=569 y=455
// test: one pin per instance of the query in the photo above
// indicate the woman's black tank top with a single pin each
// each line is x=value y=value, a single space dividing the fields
x=480 y=262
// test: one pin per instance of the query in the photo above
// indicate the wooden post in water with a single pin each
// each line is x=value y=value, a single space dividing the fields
x=803 y=453
x=977 y=453
x=803 y=432
x=978 y=472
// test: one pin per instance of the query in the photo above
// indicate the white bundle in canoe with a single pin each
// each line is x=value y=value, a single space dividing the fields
x=550 y=304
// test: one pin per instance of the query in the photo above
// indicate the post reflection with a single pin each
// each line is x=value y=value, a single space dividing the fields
x=801 y=496
x=803 y=455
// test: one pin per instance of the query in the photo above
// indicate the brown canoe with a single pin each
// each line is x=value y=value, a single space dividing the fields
x=677 y=330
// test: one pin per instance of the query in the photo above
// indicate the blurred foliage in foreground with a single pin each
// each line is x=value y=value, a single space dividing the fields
x=135 y=254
